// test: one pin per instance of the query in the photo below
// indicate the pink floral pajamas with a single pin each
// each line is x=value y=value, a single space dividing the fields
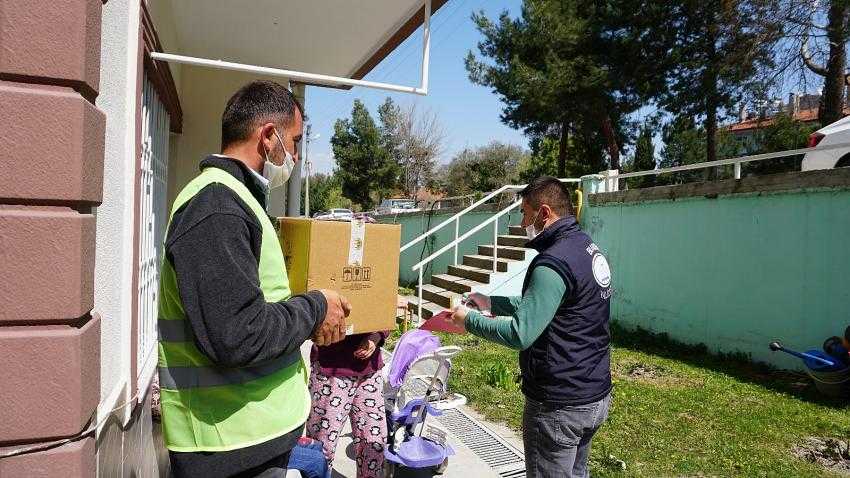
x=360 y=399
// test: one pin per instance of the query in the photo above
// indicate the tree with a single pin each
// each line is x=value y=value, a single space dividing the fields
x=568 y=67
x=583 y=158
x=781 y=135
x=325 y=193
x=483 y=169
x=414 y=139
x=366 y=171
x=644 y=157
x=685 y=143
x=834 y=68
x=718 y=49
x=543 y=160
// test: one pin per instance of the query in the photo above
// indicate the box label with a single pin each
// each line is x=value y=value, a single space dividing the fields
x=356 y=277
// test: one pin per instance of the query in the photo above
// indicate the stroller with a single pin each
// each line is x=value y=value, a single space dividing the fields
x=415 y=386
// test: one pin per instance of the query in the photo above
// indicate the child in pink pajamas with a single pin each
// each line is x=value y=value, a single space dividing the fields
x=346 y=383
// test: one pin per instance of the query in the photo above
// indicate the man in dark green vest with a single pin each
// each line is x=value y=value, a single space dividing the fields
x=233 y=384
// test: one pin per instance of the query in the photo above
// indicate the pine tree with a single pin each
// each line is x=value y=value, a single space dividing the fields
x=644 y=159
x=718 y=47
x=568 y=67
x=366 y=171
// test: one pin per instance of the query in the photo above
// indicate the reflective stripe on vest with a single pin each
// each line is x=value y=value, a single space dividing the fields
x=208 y=408
x=210 y=376
x=180 y=378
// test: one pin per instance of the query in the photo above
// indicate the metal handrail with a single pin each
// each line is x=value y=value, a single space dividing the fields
x=734 y=161
x=458 y=215
x=465 y=236
x=493 y=219
x=469 y=208
x=460 y=238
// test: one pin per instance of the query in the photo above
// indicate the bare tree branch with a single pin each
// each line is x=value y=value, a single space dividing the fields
x=807 y=59
x=420 y=139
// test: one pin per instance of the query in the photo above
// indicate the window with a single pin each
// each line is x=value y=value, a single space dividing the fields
x=153 y=218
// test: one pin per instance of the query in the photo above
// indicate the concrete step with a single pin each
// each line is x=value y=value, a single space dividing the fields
x=454 y=283
x=511 y=240
x=484 y=262
x=516 y=231
x=508 y=252
x=429 y=309
x=472 y=273
x=439 y=295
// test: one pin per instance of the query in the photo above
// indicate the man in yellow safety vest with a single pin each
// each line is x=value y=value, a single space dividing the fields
x=232 y=381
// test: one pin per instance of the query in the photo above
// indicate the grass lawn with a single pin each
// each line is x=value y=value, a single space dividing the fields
x=677 y=410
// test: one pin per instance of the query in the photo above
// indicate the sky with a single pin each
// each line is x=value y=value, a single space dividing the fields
x=469 y=113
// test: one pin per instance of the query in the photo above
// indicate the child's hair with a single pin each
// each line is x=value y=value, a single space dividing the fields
x=847 y=333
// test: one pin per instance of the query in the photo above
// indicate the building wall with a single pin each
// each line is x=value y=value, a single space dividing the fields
x=731 y=264
x=286 y=201
x=123 y=440
x=129 y=450
x=205 y=92
x=51 y=172
x=415 y=224
x=115 y=229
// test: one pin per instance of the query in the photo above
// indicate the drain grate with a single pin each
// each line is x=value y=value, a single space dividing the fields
x=506 y=460
x=502 y=457
x=514 y=474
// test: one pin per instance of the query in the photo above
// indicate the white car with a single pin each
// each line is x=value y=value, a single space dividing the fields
x=337 y=215
x=833 y=134
x=397 y=206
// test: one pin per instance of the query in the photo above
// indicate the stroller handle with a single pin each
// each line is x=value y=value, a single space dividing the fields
x=447 y=352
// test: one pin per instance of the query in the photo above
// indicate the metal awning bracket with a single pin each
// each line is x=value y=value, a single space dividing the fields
x=316 y=78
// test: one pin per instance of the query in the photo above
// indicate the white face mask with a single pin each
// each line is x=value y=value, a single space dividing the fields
x=530 y=231
x=278 y=174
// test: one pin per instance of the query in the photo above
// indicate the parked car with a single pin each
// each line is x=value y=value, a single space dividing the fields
x=397 y=205
x=835 y=133
x=336 y=215
x=365 y=217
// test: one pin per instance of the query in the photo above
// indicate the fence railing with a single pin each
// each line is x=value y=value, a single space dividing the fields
x=458 y=238
x=736 y=162
x=610 y=180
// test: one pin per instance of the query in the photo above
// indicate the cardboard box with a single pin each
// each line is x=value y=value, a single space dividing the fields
x=360 y=261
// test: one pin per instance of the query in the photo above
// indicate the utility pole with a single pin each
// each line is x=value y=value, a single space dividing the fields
x=307 y=176
x=307 y=166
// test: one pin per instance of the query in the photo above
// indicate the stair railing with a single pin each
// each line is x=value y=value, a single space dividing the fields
x=460 y=238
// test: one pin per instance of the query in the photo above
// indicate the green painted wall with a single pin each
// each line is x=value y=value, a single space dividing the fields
x=413 y=225
x=733 y=272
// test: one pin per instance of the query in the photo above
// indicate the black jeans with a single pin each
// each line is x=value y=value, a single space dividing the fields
x=274 y=468
x=557 y=438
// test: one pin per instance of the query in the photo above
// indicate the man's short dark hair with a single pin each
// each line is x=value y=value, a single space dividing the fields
x=548 y=190
x=256 y=103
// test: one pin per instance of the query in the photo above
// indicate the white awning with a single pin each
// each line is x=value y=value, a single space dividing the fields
x=325 y=42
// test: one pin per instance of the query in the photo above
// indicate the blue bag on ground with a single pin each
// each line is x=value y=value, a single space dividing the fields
x=307 y=457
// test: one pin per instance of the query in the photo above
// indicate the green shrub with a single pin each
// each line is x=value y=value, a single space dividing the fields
x=498 y=375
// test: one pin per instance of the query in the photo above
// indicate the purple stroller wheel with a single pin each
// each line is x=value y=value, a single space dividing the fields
x=418 y=452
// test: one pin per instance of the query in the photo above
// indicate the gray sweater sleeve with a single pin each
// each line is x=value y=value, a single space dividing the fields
x=216 y=261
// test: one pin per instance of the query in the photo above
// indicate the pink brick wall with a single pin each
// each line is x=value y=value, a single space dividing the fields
x=51 y=175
